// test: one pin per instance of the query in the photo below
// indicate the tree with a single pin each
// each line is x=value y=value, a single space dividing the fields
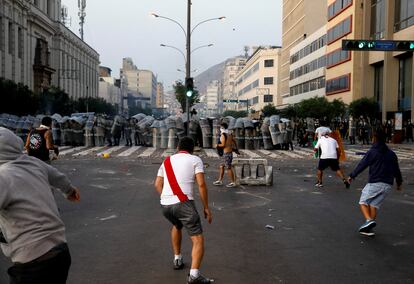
x=180 y=95
x=317 y=107
x=235 y=113
x=269 y=110
x=337 y=109
x=17 y=99
x=365 y=107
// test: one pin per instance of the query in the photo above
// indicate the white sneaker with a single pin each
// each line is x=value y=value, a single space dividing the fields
x=218 y=182
x=232 y=184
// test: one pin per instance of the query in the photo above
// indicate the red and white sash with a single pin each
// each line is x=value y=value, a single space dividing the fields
x=175 y=187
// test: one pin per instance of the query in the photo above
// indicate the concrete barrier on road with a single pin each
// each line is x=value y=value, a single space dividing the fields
x=253 y=172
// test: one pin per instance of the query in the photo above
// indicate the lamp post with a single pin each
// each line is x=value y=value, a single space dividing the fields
x=188 y=34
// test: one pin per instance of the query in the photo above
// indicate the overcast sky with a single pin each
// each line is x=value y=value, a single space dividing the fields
x=118 y=29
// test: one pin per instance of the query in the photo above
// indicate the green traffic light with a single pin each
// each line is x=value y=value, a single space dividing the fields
x=361 y=44
x=371 y=44
x=412 y=45
x=189 y=93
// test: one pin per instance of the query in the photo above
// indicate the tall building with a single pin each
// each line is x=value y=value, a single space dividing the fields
x=109 y=90
x=37 y=50
x=257 y=81
x=388 y=76
x=212 y=98
x=160 y=96
x=141 y=84
x=301 y=18
x=232 y=67
x=307 y=68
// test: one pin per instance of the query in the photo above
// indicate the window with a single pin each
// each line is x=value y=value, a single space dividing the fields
x=340 y=30
x=337 y=57
x=338 y=7
x=312 y=47
x=268 y=98
x=405 y=84
x=11 y=39
x=404 y=14
x=378 y=84
x=377 y=19
x=20 y=42
x=268 y=80
x=268 y=63
x=307 y=68
x=338 y=85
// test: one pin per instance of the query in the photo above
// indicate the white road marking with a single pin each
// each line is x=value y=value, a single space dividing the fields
x=71 y=150
x=110 y=150
x=88 y=151
x=289 y=154
x=249 y=153
x=129 y=152
x=211 y=153
x=147 y=153
x=270 y=154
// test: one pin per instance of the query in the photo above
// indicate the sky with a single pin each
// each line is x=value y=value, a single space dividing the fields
x=124 y=28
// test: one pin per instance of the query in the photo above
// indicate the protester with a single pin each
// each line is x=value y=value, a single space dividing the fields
x=383 y=169
x=174 y=183
x=32 y=232
x=227 y=143
x=328 y=158
x=40 y=141
x=128 y=132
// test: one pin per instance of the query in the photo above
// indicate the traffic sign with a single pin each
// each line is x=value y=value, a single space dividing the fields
x=378 y=45
x=234 y=101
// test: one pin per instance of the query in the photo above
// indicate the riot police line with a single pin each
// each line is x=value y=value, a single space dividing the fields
x=90 y=129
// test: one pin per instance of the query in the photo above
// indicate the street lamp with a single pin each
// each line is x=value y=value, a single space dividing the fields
x=188 y=34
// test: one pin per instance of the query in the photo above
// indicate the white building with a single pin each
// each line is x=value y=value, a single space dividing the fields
x=257 y=81
x=109 y=87
x=211 y=99
x=37 y=50
x=307 y=68
x=232 y=67
x=142 y=84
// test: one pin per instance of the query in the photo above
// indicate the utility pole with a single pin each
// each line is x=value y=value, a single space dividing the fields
x=82 y=15
x=188 y=63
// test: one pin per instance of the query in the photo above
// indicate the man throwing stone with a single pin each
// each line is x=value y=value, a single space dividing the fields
x=174 y=183
x=383 y=169
x=31 y=231
x=329 y=158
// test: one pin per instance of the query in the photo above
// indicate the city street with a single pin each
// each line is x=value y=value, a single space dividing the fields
x=117 y=234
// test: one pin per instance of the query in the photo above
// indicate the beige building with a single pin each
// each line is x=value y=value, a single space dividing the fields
x=386 y=76
x=37 y=50
x=141 y=84
x=307 y=68
x=160 y=96
x=212 y=98
x=257 y=81
x=301 y=18
x=232 y=67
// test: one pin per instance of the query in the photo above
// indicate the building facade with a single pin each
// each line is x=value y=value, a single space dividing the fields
x=109 y=88
x=300 y=19
x=212 y=98
x=160 y=96
x=307 y=68
x=37 y=50
x=141 y=84
x=232 y=67
x=256 y=83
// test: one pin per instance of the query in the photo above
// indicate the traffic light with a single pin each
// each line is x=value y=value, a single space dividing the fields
x=189 y=87
x=378 y=45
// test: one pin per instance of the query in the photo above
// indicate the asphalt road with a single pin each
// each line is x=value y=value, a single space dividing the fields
x=117 y=234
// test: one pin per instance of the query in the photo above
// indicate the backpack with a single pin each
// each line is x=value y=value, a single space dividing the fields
x=220 y=150
x=37 y=145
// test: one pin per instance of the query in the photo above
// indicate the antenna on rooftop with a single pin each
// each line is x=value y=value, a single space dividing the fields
x=82 y=15
x=246 y=51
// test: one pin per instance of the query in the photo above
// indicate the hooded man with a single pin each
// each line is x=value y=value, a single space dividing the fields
x=32 y=233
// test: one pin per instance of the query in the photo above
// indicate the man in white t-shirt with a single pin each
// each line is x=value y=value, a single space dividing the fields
x=174 y=182
x=320 y=131
x=328 y=158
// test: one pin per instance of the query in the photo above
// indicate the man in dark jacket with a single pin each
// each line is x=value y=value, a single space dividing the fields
x=383 y=169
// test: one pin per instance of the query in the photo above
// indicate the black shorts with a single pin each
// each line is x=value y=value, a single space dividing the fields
x=325 y=163
x=184 y=214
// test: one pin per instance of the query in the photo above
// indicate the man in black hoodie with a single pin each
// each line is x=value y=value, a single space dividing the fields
x=383 y=168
